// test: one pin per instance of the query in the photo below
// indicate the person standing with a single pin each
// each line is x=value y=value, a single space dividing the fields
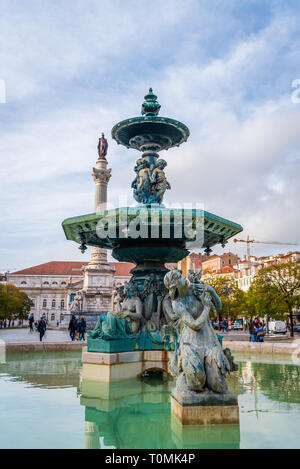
x=224 y=325
x=253 y=326
x=81 y=328
x=31 y=321
x=41 y=327
x=73 y=327
x=260 y=332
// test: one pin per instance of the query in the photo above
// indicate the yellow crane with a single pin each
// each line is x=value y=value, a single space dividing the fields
x=251 y=241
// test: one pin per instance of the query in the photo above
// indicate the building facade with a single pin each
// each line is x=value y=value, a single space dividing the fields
x=216 y=263
x=53 y=286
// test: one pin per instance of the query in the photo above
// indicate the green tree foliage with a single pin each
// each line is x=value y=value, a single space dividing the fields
x=229 y=292
x=262 y=299
x=276 y=290
x=14 y=303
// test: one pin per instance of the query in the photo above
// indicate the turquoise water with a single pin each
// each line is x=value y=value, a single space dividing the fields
x=43 y=404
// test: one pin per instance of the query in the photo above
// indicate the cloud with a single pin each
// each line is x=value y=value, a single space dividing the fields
x=73 y=71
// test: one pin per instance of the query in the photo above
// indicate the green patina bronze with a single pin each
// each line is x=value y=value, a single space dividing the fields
x=148 y=235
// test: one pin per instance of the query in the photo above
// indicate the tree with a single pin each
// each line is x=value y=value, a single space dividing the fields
x=262 y=300
x=276 y=290
x=14 y=303
x=232 y=297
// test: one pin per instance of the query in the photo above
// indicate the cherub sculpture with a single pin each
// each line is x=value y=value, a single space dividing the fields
x=141 y=183
x=159 y=183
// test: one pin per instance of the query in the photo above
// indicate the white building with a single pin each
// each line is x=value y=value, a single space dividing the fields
x=53 y=285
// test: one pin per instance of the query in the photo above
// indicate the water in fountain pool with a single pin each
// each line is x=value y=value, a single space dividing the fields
x=43 y=404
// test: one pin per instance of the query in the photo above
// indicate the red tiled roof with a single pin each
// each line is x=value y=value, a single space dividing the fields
x=227 y=269
x=71 y=268
x=122 y=268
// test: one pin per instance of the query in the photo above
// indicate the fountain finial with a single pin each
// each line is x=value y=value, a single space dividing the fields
x=150 y=106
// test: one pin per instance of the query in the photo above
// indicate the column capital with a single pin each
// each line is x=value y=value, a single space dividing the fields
x=101 y=176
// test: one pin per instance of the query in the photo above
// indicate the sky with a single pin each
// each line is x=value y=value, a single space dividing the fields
x=70 y=70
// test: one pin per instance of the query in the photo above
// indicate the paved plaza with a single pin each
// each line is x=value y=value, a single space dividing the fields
x=23 y=335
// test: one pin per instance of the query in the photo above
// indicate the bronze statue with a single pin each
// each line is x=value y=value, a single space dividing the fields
x=131 y=308
x=159 y=181
x=141 y=183
x=102 y=147
x=199 y=363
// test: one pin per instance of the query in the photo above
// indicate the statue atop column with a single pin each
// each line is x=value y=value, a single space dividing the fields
x=102 y=147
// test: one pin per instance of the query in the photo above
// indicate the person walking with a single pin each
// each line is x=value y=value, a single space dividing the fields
x=81 y=328
x=73 y=324
x=41 y=327
x=31 y=322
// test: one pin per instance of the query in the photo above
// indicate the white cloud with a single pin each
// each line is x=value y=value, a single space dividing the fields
x=74 y=72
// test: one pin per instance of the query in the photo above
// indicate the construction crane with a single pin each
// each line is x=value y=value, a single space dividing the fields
x=251 y=241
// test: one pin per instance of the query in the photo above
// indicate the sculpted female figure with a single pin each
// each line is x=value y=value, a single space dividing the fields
x=131 y=308
x=201 y=363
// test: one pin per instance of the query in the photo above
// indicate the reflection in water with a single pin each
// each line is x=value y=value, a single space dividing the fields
x=136 y=414
x=47 y=370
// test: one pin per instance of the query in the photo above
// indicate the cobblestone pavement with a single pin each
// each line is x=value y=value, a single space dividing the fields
x=23 y=335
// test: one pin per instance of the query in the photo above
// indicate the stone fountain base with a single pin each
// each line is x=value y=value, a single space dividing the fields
x=113 y=367
x=205 y=408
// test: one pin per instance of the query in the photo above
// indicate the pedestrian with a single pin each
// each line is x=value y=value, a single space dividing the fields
x=81 y=328
x=41 y=327
x=224 y=325
x=73 y=327
x=31 y=322
x=260 y=332
x=253 y=326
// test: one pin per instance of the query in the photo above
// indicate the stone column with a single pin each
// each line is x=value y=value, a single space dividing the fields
x=101 y=177
x=98 y=275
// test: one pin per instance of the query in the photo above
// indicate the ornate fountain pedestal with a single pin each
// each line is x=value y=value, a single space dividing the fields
x=207 y=408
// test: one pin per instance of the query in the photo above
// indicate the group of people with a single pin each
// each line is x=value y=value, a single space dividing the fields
x=256 y=330
x=10 y=323
x=77 y=328
x=40 y=326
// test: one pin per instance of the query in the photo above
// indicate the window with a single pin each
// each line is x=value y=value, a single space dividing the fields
x=53 y=303
x=33 y=301
x=229 y=261
x=23 y=283
x=64 y=283
x=54 y=283
x=45 y=283
x=44 y=303
x=62 y=304
x=52 y=317
x=72 y=296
